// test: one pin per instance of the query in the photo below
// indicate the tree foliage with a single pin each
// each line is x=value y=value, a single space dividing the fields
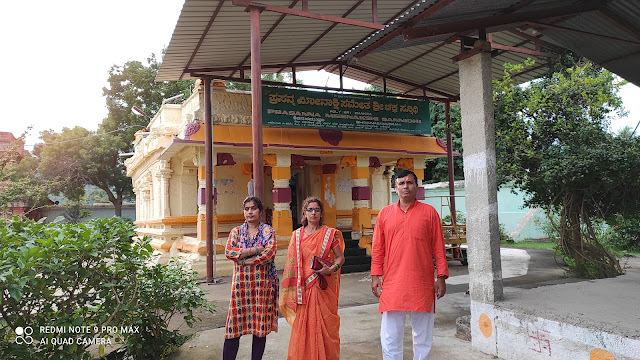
x=439 y=168
x=91 y=276
x=76 y=157
x=133 y=84
x=552 y=141
x=20 y=182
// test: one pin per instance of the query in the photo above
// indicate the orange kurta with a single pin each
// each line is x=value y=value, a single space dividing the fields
x=404 y=246
x=311 y=311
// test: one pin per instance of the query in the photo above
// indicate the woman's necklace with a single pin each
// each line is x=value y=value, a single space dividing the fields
x=309 y=231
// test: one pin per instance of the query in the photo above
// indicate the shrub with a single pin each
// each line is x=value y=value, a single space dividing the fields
x=460 y=219
x=624 y=233
x=91 y=278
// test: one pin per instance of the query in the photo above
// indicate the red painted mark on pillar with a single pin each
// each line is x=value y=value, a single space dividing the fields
x=541 y=343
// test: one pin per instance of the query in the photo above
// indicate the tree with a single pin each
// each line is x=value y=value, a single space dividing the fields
x=77 y=157
x=133 y=84
x=553 y=142
x=19 y=178
x=439 y=167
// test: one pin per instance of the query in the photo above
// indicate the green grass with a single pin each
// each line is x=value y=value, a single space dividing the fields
x=529 y=244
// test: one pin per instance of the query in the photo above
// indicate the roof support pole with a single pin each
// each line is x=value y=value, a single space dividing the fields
x=208 y=155
x=341 y=84
x=452 y=189
x=483 y=237
x=374 y=11
x=256 y=103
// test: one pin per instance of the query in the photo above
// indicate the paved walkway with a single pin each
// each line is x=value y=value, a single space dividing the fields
x=360 y=321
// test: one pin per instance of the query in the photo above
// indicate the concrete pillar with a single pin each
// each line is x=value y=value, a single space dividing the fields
x=478 y=142
x=281 y=195
x=361 y=194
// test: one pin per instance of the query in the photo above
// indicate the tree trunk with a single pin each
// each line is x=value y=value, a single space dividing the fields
x=118 y=205
x=576 y=237
x=116 y=201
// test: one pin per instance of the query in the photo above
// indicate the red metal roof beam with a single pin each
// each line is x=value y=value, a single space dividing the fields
x=275 y=25
x=430 y=31
x=538 y=42
x=401 y=81
x=307 y=14
x=325 y=88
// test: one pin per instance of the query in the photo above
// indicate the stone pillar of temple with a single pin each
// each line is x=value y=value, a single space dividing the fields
x=329 y=192
x=361 y=194
x=478 y=141
x=164 y=175
x=146 y=203
x=281 y=195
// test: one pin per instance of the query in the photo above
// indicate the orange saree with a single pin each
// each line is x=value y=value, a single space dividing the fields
x=311 y=311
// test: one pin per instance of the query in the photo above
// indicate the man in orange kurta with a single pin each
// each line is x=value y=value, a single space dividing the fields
x=406 y=240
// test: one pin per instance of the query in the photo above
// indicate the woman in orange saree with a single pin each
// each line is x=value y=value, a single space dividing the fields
x=309 y=299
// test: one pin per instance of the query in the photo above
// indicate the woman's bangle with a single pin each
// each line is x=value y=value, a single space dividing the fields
x=255 y=247
x=242 y=262
x=337 y=266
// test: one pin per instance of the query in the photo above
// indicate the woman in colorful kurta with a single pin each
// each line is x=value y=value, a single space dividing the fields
x=254 y=292
x=312 y=311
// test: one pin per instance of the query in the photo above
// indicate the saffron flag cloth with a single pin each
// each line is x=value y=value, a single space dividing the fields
x=405 y=245
x=311 y=311
x=253 y=308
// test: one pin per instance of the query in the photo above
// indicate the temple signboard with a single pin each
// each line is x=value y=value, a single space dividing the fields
x=323 y=110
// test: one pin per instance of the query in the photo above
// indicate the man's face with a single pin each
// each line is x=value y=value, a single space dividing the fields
x=407 y=188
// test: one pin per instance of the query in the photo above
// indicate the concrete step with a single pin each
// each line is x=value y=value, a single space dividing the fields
x=348 y=269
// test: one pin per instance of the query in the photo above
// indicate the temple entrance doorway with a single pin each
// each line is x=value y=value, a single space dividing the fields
x=296 y=184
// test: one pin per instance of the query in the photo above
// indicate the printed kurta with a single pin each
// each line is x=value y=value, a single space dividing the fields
x=311 y=311
x=404 y=246
x=253 y=308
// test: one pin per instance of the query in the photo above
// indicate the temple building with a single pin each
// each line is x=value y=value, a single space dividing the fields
x=307 y=151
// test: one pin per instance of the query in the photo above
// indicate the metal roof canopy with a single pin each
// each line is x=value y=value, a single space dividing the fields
x=401 y=45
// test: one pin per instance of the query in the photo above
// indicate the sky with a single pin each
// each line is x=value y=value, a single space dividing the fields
x=57 y=56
